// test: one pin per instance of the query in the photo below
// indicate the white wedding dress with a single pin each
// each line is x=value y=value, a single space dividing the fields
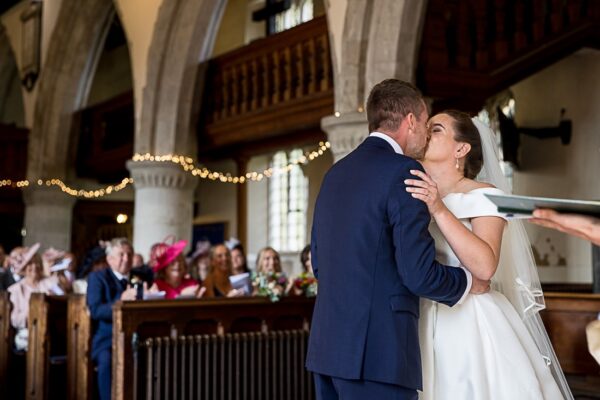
x=479 y=349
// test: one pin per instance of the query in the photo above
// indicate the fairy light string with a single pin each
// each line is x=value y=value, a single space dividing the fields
x=186 y=163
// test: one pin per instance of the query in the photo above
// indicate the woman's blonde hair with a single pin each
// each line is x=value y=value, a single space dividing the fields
x=261 y=256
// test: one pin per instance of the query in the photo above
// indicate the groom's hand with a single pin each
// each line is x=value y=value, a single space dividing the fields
x=480 y=287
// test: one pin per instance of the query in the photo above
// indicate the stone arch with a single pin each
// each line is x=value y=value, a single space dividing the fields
x=380 y=39
x=12 y=110
x=64 y=81
x=185 y=31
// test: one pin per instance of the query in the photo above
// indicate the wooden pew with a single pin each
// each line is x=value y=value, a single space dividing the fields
x=214 y=330
x=80 y=372
x=565 y=317
x=47 y=348
x=6 y=341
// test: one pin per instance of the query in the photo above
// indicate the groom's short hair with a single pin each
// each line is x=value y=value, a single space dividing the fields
x=390 y=101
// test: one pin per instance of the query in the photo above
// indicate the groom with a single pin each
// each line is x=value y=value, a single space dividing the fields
x=373 y=256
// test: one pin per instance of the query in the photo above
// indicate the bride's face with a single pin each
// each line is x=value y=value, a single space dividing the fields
x=442 y=146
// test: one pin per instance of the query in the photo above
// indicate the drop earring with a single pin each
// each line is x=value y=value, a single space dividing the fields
x=457 y=164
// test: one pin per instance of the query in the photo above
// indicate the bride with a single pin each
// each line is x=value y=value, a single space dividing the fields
x=492 y=346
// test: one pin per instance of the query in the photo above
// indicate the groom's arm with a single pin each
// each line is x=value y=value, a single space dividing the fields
x=415 y=248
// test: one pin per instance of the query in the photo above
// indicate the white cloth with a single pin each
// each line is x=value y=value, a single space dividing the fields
x=479 y=349
x=398 y=149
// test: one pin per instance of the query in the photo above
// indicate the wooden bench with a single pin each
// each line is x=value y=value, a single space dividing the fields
x=565 y=317
x=47 y=348
x=201 y=348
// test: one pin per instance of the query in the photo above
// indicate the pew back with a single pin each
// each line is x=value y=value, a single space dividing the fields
x=80 y=373
x=566 y=317
x=47 y=347
x=215 y=322
x=6 y=340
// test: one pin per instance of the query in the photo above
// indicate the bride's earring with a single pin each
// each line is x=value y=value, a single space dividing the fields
x=457 y=164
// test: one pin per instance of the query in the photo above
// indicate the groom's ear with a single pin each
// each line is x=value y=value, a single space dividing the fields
x=412 y=121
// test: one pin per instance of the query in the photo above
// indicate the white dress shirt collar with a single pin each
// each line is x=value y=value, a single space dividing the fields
x=119 y=276
x=388 y=139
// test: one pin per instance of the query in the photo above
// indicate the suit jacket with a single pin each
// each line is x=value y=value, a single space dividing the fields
x=373 y=257
x=104 y=289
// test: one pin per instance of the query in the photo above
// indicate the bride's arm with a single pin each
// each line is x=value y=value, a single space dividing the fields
x=477 y=250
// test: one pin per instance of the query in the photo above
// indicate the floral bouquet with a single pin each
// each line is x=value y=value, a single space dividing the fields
x=306 y=283
x=271 y=285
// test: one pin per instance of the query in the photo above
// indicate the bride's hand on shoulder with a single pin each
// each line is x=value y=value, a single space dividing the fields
x=425 y=189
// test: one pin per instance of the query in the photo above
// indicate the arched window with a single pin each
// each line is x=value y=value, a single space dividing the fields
x=300 y=11
x=288 y=200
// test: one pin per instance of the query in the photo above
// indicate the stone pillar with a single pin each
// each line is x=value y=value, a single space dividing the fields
x=164 y=203
x=595 y=269
x=345 y=132
x=48 y=217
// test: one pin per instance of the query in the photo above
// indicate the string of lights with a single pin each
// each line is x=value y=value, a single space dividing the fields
x=186 y=163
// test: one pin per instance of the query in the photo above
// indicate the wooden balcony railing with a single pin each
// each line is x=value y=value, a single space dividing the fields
x=472 y=49
x=271 y=87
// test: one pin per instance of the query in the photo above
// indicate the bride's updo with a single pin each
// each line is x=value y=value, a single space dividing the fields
x=466 y=132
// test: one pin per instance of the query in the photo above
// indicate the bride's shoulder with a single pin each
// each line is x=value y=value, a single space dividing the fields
x=471 y=185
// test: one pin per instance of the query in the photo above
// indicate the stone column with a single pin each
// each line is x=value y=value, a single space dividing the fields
x=345 y=132
x=48 y=217
x=164 y=200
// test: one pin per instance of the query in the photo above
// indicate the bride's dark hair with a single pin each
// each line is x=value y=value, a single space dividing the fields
x=466 y=132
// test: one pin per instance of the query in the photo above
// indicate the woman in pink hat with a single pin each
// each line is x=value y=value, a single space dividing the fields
x=29 y=265
x=171 y=272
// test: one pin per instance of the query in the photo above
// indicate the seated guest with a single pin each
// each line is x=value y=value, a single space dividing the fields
x=138 y=260
x=94 y=260
x=269 y=280
x=199 y=260
x=63 y=269
x=268 y=261
x=9 y=276
x=105 y=287
x=305 y=284
x=217 y=282
x=29 y=265
x=170 y=273
x=238 y=260
x=306 y=260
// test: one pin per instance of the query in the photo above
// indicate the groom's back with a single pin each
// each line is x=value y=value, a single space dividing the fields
x=354 y=255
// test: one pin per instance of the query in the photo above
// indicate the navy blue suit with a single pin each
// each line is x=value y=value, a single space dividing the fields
x=104 y=289
x=374 y=257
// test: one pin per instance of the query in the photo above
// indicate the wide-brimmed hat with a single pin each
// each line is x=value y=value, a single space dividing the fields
x=169 y=254
x=202 y=248
x=23 y=259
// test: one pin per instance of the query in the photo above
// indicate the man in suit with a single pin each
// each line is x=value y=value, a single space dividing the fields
x=373 y=257
x=105 y=287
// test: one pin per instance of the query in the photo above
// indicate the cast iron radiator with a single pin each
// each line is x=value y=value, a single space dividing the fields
x=255 y=365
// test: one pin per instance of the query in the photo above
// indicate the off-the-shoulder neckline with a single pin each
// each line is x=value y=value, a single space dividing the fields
x=471 y=191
